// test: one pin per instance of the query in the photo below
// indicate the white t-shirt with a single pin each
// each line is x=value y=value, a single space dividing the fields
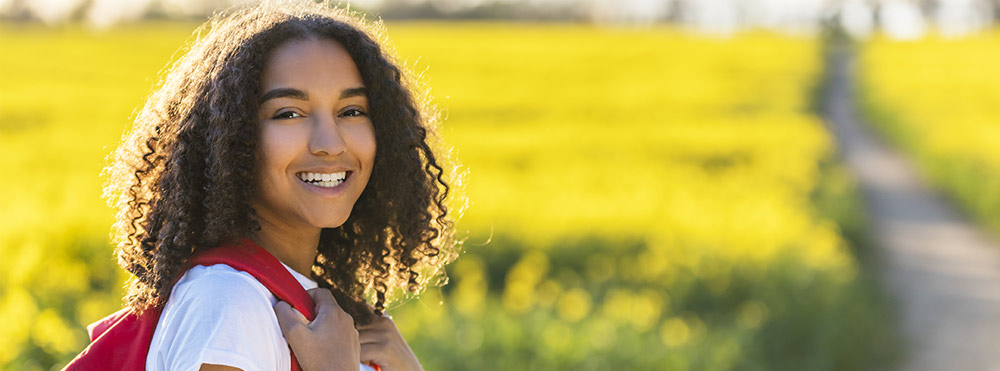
x=222 y=316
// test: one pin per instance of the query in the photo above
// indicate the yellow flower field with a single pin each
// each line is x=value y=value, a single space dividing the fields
x=641 y=198
x=940 y=100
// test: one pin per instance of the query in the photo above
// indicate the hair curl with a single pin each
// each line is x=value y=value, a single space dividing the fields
x=178 y=179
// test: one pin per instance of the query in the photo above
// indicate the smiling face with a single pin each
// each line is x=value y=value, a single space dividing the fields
x=317 y=141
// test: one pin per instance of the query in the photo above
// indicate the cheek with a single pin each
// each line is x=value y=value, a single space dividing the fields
x=278 y=146
x=363 y=143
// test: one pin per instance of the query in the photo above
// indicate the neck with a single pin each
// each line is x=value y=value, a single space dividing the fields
x=296 y=247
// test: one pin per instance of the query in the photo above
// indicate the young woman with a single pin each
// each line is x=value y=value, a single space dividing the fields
x=289 y=128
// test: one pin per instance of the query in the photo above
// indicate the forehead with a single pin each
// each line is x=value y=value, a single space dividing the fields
x=310 y=63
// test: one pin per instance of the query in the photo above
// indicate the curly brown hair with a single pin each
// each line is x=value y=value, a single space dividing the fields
x=179 y=177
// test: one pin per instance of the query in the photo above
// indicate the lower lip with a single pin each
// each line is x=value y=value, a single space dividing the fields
x=327 y=191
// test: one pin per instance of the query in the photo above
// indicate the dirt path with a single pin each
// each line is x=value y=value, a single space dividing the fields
x=942 y=271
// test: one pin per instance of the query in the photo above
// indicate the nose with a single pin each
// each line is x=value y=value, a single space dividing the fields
x=326 y=138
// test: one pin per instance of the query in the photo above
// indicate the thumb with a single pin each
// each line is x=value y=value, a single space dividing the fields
x=289 y=319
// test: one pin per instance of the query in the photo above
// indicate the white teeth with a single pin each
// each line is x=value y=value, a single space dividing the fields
x=329 y=184
x=323 y=179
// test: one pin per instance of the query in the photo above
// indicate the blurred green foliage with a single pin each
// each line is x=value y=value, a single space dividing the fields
x=641 y=198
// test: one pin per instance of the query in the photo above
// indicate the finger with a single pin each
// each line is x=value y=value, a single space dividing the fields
x=369 y=336
x=380 y=322
x=326 y=305
x=323 y=299
x=374 y=352
x=321 y=294
x=288 y=317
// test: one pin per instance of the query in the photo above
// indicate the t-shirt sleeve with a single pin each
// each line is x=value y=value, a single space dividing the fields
x=223 y=318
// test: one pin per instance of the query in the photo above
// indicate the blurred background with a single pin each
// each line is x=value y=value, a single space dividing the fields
x=652 y=183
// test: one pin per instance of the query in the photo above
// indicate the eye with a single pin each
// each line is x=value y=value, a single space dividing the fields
x=287 y=115
x=353 y=112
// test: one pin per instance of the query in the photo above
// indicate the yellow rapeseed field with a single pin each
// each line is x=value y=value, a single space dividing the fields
x=641 y=198
x=940 y=100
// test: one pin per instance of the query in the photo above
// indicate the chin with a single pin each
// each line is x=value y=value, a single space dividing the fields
x=333 y=221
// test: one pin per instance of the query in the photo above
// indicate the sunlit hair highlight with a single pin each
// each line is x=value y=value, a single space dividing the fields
x=182 y=176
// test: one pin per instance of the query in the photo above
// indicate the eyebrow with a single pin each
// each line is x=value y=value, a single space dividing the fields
x=301 y=95
x=354 y=92
x=284 y=93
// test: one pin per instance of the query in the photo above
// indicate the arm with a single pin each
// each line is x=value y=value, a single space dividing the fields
x=208 y=367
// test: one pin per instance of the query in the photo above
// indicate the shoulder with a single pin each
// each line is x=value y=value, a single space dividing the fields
x=220 y=286
x=216 y=314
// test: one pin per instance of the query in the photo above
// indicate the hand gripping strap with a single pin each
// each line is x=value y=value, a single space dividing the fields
x=121 y=340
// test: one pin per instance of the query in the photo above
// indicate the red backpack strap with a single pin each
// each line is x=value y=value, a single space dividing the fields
x=247 y=256
x=97 y=328
x=121 y=340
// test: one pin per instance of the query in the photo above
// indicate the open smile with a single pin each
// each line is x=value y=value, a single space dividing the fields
x=324 y=180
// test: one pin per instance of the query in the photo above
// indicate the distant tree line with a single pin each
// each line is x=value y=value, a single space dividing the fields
x=902 y=17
